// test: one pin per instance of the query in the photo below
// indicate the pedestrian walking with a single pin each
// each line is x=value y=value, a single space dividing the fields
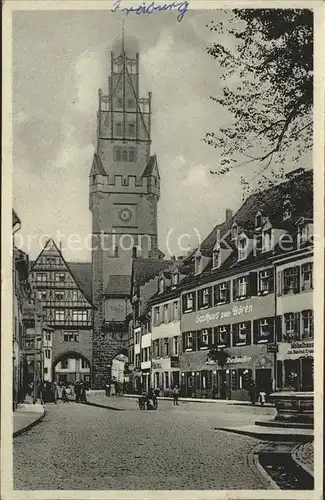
x=77 y=391
x=175 y=395
x=252 y=392
x=261 y=397
x=64 y=394
x=55 y=392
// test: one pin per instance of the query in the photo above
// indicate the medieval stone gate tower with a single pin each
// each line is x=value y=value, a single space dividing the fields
x=123 y=194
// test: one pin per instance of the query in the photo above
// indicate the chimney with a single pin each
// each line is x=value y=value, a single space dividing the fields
x=229 y=214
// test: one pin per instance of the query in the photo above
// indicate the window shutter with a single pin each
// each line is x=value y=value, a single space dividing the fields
x=279 y=282
x=255 y=330
x=252 y=284
x=235 y=330
x=235 y=288
x=278 y=328
x=271 y=281
x=297 y=321
x=228 y=291
x=183 y=346
x=184 y=303
x=194 y=300
x=297 y=270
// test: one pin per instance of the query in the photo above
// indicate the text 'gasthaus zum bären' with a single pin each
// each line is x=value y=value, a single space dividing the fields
x=149 y=8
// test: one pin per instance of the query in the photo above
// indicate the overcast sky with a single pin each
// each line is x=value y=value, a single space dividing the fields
x=60 y=59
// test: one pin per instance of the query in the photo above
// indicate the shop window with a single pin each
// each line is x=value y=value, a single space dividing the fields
x=307 y=324
x=188 y=302
x=222 y=293
x=241 y=333
x=291 y=280
x=265 y=282
x=204 y=298
x=244 y=379
x=234 y=380
x=291 y=327
x=307 y=276
x=222 y=336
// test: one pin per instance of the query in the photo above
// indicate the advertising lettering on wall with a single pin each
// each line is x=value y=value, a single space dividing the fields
x=295 y=350
x=235 y=311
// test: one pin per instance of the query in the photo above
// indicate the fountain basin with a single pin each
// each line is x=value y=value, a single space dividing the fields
x=295 y=408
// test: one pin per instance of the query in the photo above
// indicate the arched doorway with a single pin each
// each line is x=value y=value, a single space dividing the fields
x=120 y=372
x=68 y=367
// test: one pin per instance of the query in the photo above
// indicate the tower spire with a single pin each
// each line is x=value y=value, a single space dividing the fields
x=123 y=47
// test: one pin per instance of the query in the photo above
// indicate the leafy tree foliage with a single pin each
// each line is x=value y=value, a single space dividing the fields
x=267 y=86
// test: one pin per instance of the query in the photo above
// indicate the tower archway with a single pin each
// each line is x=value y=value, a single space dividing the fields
x=71 y=366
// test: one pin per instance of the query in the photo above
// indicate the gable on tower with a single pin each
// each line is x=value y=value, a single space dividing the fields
x=97 y=166
x=151 y=169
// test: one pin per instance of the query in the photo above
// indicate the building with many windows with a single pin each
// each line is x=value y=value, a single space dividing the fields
x=63 y=291
x=249 y=292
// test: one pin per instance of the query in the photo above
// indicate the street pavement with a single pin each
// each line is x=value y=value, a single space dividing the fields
x=176 y=447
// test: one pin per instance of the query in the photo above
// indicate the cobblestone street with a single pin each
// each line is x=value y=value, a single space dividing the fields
x=176 y=447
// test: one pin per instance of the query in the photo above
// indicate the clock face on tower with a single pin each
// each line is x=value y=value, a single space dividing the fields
x=125 y=215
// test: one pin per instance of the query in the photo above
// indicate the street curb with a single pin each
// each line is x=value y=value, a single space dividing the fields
x=98 y=405
x=289 y=438
x=29 y=426
x=254 y=463
x=195 y=400
x=298 y=462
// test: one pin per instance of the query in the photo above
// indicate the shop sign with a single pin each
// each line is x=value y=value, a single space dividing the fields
x=235 y=311
x=295 y=350
x=238 y=359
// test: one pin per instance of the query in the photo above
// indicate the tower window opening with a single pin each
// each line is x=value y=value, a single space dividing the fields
x=118 y=154
x=130 y=103
x=120 y=102
x=119 y=129
x=131 y=129
x=131 y=154
x=116 y=251
x=134 y=252
x=125 y=155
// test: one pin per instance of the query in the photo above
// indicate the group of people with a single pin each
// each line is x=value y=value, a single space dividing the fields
x=50 y=392
x=254 y=396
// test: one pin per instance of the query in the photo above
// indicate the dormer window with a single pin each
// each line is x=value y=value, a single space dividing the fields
x=267 y=241
x=175 y=278
x=258 y=220
x=287 y=209
x=198 y=263
x=216 y=259
x=242 y=248
x=161 y=285
x=234 y=231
